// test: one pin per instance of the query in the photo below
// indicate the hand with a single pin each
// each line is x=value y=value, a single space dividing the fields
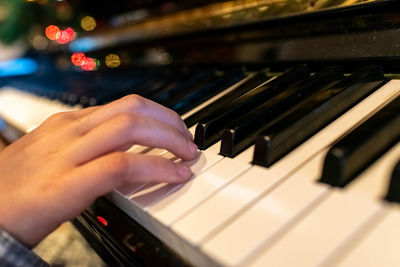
x=53 y=173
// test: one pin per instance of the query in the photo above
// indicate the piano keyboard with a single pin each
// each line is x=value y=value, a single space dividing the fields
x=236 y=213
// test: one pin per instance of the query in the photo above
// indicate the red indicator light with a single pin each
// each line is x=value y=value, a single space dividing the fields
x=52 y=32
x=78 y=59
x=102 y=220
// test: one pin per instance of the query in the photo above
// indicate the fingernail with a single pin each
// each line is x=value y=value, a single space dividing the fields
x=184 y=171
x=193 y=148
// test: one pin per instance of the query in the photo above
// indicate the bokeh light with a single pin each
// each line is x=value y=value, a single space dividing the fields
x=78 y=59
x=86 y=63
x=89 y=64
x=88 y=23
x=71 y=33
x=52 y=32
x=63 y=38
x=41 y=2
x=39 y=42
x=113 y=61
x=66 y=36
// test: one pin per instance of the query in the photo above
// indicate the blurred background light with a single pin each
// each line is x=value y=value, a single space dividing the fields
x=71 y=33
x=20 y=66
x=113 y=61
x=39 y=42
x=88 y=23
x=52 y=32
x=63 y=38
x=89 y=64
x=78 y=59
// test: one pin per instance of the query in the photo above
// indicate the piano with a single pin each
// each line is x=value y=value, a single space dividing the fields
x=295 y=107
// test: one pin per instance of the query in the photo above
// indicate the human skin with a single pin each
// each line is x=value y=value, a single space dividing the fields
x=56 y=171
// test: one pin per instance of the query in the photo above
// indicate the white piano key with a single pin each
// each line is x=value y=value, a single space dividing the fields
x=246 y=156
x=145 y=198
x=379 y=246
x=27 y=111
x=192 y=130
x=121 y=201
x=239 y=236
x=139 y=149
x=280 y=208
x=196 y=190
x=321 y=232
x=261 y=223
x=129 y=189
x=374 y=181
x=175 y=205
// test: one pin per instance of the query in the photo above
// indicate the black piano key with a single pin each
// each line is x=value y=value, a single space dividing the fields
x=185 y=86
x=184 y=103
x=116 y=89
x=138 y=82
x=302 y=121
x=170 y=80
x=209 y=131
x=175 y=83
x=91 y=85
x=393 y=193
x=358 y=149
x=243 y=131
x=250 y=84
x=173 y=100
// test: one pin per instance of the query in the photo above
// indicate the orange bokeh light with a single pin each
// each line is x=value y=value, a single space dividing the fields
x=62 y=37
x=52 y=32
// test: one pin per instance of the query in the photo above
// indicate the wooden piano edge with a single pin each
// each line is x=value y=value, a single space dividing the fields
x=120 y=241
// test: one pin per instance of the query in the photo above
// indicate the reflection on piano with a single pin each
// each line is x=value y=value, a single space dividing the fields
x=296 y=112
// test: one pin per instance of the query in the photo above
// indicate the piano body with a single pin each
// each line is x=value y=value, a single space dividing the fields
x=295 y=106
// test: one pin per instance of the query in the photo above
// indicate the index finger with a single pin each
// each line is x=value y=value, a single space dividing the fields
x=133 y=104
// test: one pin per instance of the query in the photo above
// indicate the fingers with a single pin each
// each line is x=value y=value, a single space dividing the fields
x=134 y=104
x=112 y=170
x=60 y=119
x=126 y=130
x=65 y=128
